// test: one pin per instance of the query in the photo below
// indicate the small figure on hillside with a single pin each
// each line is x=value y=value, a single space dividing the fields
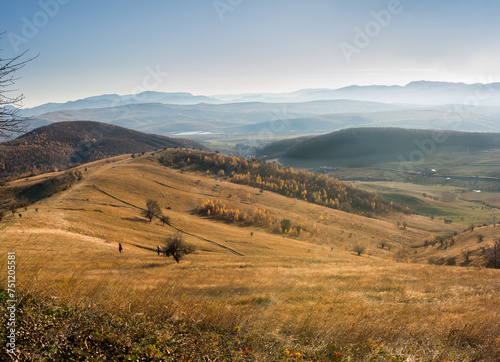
x=120 y=247
x=158 y=250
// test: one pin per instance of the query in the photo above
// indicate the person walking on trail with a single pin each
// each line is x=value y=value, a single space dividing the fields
x=120 y=247
x=158 y=250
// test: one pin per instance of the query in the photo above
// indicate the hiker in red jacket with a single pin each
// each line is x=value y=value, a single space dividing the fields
x=120 y=247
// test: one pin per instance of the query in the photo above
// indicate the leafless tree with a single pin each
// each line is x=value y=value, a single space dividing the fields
x=177 y=247
x=11 y=121
x=152 y=210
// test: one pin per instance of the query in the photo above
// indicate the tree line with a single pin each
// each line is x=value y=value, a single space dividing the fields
x=309 y=186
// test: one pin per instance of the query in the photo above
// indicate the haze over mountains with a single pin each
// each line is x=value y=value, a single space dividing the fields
x=242 y=124
x=115 y=100
x=166 y=118
x=416 y=93
x=424 y=105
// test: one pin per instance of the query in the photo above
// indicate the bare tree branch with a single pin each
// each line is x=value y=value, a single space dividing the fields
x=11 y=121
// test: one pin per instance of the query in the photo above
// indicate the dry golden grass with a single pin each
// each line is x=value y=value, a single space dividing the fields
x=309 y=295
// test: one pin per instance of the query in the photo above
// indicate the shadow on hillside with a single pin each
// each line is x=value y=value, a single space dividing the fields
x=135 y=219
x=152 y=265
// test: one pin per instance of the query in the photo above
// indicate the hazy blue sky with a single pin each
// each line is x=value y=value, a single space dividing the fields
x=91 y=47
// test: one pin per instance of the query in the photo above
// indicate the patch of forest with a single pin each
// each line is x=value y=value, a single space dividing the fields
x=299 y=184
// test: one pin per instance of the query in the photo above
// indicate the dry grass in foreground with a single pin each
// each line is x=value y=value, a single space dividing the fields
x=338 y=308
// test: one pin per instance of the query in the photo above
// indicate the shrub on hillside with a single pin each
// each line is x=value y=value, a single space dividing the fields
x=177 y=247
x=359 y=249
x=286 y=225
x=451 y=261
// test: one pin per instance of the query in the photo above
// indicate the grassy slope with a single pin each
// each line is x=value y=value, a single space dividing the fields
x=311 y=295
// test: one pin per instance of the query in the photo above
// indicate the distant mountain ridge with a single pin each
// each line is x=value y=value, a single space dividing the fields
x=281 y=120
x=417 y=92
x=169 y=118
x=65 y=144
x=418 y=105
x=115 y=100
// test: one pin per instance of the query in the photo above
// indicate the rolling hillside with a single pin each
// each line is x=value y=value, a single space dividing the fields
x=366 y=146
x=65 y=144
x=390 y=143
x=248 y=292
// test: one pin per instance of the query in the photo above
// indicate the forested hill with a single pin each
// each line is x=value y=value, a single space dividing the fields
x=387 y=144
x=65 y=144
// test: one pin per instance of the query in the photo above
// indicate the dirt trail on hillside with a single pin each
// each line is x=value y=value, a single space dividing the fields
x=99 y=203
x=61 y=232
x=113 y=197
x=232 y=251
